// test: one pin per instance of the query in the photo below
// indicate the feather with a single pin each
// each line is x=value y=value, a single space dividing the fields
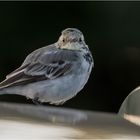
x=41 y=65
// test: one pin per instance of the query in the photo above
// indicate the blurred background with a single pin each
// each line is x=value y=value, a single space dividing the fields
x=111 y=29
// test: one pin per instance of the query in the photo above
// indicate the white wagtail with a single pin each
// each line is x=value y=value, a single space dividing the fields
x=54 y=73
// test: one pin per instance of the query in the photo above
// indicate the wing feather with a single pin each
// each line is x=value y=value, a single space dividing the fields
x=48 y=65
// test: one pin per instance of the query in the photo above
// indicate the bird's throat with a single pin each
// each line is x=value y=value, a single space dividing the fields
x=72 y=46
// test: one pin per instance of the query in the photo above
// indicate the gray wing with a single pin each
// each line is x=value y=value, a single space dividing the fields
x=42 y=64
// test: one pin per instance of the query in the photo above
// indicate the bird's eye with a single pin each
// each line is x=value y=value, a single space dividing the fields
x=80 y=39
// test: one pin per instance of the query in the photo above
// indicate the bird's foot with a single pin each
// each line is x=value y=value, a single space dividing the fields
x=36 y=101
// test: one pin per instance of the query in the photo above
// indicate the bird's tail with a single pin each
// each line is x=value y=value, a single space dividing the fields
x=3 y=87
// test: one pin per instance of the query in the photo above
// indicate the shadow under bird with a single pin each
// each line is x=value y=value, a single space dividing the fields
x=54 y=73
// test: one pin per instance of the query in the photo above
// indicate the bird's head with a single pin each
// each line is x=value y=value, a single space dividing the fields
x=71 y=39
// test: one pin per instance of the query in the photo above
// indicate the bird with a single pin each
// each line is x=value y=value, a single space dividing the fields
x=55 y=73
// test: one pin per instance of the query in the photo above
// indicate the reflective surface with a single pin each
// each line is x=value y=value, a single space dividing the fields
x=42 y=122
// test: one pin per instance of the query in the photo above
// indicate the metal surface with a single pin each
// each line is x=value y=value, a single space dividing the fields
x=20 y=121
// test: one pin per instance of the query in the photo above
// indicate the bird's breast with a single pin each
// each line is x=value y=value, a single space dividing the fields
x=82 y=74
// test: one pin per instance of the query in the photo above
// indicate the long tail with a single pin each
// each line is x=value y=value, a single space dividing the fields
x=4 y=88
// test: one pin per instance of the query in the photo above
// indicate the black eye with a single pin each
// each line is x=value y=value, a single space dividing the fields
x=80 y=39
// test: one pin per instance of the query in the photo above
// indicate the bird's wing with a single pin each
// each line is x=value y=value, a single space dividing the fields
x=41 y=65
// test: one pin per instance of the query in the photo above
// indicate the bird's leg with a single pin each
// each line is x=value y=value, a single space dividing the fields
x=36 y=101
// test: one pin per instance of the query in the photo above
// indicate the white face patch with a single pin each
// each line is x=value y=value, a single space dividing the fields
x=72 y=46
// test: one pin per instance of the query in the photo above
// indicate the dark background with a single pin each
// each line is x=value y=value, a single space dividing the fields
x=111 y=29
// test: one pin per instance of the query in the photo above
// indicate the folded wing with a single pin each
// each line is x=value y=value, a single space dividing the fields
x=45 y=66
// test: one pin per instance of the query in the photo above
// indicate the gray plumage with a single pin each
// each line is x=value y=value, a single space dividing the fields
x=54 y=73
